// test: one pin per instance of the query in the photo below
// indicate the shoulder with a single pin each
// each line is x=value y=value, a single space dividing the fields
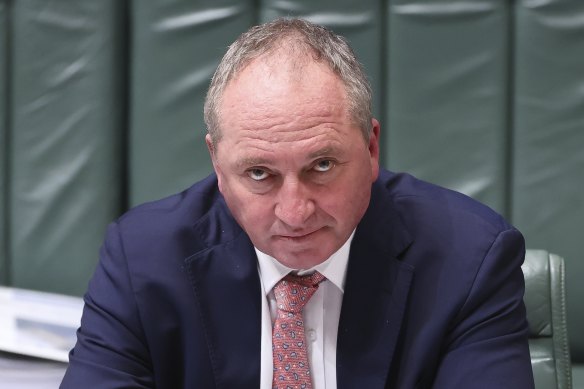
x=423 y=206
x=445 y=229
x=186 y=206
x=467 y=286
x=183 y=223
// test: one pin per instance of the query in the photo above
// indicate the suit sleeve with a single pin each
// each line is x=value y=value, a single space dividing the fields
x=111 y=351
x=487 y=346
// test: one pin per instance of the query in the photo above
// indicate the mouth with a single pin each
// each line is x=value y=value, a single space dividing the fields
x=297 y=237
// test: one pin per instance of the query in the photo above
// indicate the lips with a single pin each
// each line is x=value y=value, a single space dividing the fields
x=297 y=237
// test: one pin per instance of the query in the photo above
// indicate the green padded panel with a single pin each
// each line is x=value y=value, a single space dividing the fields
x=4 y=55
x=176 y=48
x=358 y=21
x=65 y=140
x=543 y=363
x=548 y=183
x=447 y=77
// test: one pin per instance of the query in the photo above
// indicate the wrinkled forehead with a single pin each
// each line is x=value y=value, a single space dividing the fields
x=281 y=87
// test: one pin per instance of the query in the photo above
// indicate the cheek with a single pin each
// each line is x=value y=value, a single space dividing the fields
x=252 y=212
x=255 y=213
x=334 y=204
x=349 y=202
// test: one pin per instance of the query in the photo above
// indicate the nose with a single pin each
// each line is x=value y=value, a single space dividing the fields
x=295 y=205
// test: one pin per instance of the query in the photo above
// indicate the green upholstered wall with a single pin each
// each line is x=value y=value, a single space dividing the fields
x=4 y=263
x=448 y=99
x=176 y=46
x=65 y=139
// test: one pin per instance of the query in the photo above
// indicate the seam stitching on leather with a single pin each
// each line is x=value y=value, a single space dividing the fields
x=564 y=335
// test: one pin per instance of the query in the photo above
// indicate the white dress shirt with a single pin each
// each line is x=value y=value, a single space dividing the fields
x=321 y=315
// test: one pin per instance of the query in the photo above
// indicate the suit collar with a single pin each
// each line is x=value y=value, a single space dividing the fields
x=227 y=289
x=375 y=298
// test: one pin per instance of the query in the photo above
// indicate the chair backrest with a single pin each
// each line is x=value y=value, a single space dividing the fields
x=545 y=300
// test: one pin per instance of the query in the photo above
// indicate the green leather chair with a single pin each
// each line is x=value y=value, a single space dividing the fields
x=545 y=300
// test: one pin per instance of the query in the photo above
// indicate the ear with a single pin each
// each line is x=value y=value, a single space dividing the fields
x=374 y=148
x=213 y=153
x=210 y=147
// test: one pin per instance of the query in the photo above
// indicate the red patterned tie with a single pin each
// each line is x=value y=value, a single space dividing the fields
x=291 y=369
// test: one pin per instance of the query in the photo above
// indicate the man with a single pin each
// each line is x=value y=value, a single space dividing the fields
x=406 y=285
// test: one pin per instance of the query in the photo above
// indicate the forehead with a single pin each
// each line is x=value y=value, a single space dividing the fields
x=275 y=85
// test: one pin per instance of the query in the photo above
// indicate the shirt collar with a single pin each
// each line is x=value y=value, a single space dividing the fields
x=334 y=268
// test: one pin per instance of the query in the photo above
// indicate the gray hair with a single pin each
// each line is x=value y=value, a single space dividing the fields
x=322 y=44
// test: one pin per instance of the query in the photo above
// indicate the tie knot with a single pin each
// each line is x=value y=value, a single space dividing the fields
x=293 y=292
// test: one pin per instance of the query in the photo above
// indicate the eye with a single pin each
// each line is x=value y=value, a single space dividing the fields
x=324 y=166
x=257 y=174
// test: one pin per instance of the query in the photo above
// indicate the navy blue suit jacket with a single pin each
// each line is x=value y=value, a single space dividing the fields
x=433 y=297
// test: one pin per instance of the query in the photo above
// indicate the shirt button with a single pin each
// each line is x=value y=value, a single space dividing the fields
x=311 y=334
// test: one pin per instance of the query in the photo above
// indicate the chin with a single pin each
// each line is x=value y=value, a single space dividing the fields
x=303 y=259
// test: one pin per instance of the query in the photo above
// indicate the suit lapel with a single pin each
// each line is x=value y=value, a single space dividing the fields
x=375 y=298
x=228 y=294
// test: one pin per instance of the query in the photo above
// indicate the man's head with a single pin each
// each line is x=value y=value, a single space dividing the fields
x=292 y=37
x=292 y=139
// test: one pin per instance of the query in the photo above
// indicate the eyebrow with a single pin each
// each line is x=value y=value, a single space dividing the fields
x=252 y=161
x=255 y=161
x=327 y=150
